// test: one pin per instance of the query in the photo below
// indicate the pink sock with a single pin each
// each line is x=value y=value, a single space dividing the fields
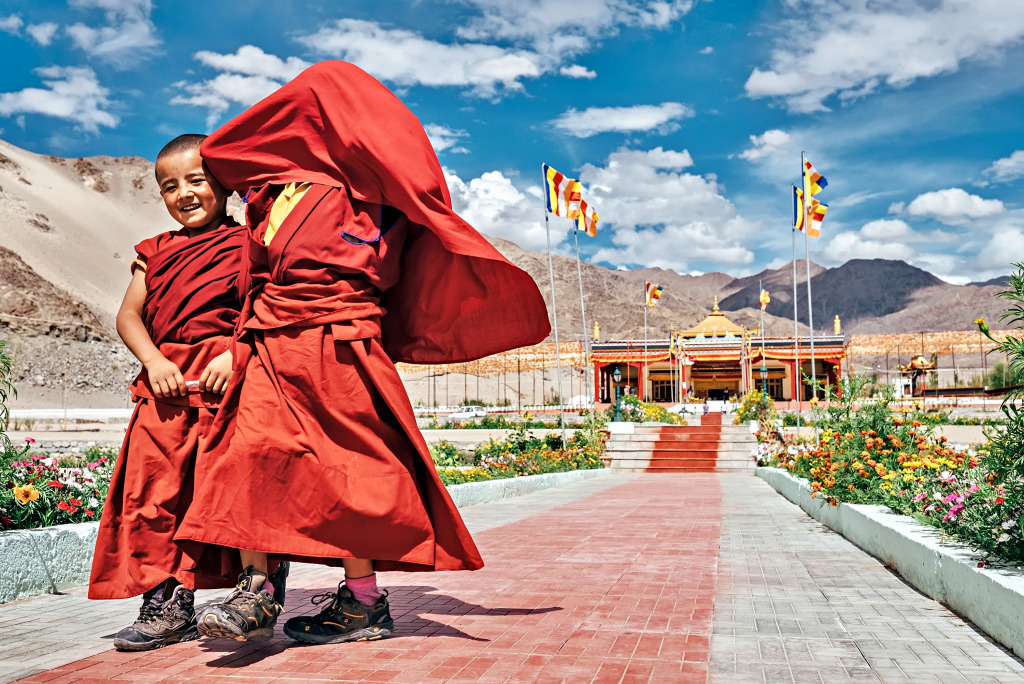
x=364 y=589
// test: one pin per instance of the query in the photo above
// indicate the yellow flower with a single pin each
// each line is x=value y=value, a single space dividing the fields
x=814 y=400
x=25 y=493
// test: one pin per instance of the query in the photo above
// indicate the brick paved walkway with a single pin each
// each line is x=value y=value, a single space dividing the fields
x=659 y=578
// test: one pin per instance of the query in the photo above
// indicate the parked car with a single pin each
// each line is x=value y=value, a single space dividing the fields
x=467 y=412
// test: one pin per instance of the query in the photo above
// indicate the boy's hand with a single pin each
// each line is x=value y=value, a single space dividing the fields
x=218 y=372
x=165 y=378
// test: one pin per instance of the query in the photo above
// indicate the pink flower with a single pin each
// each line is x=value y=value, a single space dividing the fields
x=949 y=498
x=920 y=497
x=29 y=440
x=973 y=488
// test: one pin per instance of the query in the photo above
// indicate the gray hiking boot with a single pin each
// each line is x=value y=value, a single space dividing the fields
x=160 y=622
x=248 y=613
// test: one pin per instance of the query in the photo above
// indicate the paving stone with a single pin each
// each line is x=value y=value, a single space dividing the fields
x=649 y=578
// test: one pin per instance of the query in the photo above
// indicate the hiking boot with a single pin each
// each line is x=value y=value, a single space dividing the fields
x=160 y=622
x=245 y=614
x=345 y=619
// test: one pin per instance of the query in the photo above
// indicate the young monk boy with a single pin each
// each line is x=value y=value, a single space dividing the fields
x=177 y=318
x=357 y=260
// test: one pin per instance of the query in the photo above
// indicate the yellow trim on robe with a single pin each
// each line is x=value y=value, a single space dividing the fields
x=283 y=206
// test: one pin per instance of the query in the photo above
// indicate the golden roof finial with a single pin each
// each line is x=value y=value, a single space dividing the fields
x=837 y=325
x=597 y=331
x=716 y=304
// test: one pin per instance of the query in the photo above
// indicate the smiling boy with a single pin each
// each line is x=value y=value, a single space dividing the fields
x=177 y=318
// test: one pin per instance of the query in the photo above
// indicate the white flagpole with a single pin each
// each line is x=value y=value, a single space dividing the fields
x=807 y=258
x=554 y=316
x=640 y=378
x=796 y=334
x=583 y=314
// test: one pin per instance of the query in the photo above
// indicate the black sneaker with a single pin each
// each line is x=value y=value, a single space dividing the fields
x=245 y=614
x=345 y=619
x=160 y=623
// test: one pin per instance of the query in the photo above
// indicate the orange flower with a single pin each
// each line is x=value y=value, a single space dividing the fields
x=25 y=493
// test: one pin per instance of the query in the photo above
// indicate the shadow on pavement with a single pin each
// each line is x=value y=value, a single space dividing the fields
x=409 y=607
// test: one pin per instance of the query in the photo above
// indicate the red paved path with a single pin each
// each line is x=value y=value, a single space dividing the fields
x=616 y=587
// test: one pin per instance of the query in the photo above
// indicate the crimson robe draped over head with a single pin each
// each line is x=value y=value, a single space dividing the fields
x=458 y=299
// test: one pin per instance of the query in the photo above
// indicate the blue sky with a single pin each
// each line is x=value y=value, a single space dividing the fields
x=684 y=119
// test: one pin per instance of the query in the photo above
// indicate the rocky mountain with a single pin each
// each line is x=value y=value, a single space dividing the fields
x=69 y=226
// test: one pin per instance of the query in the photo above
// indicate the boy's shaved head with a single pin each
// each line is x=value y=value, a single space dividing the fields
x=183 y=143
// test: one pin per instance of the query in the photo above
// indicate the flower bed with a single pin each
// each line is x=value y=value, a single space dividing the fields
x=869 y=454
x=517 y=455
x=53 y=489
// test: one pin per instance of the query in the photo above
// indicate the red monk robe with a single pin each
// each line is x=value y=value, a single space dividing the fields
x=316 y=455
x=191 y=308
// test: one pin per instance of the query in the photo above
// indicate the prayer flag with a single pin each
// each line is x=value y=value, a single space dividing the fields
x=653 y=293
x=814 y=182
x=765 y=299
x=587 y=219
x=558 y=189
x=817 y=215
x=798 y=209
x=573 y=198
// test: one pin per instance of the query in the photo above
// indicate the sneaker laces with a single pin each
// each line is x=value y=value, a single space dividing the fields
x=331 y=596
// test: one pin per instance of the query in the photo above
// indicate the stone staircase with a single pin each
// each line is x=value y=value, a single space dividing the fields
x=712 y=446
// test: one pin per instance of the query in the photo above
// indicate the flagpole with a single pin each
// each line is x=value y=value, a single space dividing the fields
x=554 y=316
x=796 y=332
x=640 y=378
x=583 y=313
x=807 y=258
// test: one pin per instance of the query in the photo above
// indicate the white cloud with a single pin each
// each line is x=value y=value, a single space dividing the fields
x=42 y=33
x=656 y=214
x=407 y=58
x=71 y=93
x=953 y=206
x=220 y=92
x=1006 y=169
x=857 y=47
x=248 y=75
x=11 y=24
x=660 y=216
x=556 y=28
x=250 y=60
x=577 y=71
x=707 y=50
x=594 y=120
x=768 y=144
x=445 y=138
x=493 y=205
x=127 y=35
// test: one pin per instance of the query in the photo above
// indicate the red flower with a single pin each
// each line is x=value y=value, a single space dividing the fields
x=64 y=506
x=999 y=500
x=89 y=513
x=75 y=502
x=5 y=521
x=982 y=564
x=55 y=484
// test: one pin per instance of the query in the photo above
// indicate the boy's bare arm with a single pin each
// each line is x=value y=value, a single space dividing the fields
x=164 y=377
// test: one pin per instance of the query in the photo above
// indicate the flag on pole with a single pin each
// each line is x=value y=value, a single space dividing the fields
x=814 y=182
x=817 y=215
x=557 y=191
x=653 y=293
x=765 y=299
x=587 y=219
x=572 y=199
x=798 y=209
